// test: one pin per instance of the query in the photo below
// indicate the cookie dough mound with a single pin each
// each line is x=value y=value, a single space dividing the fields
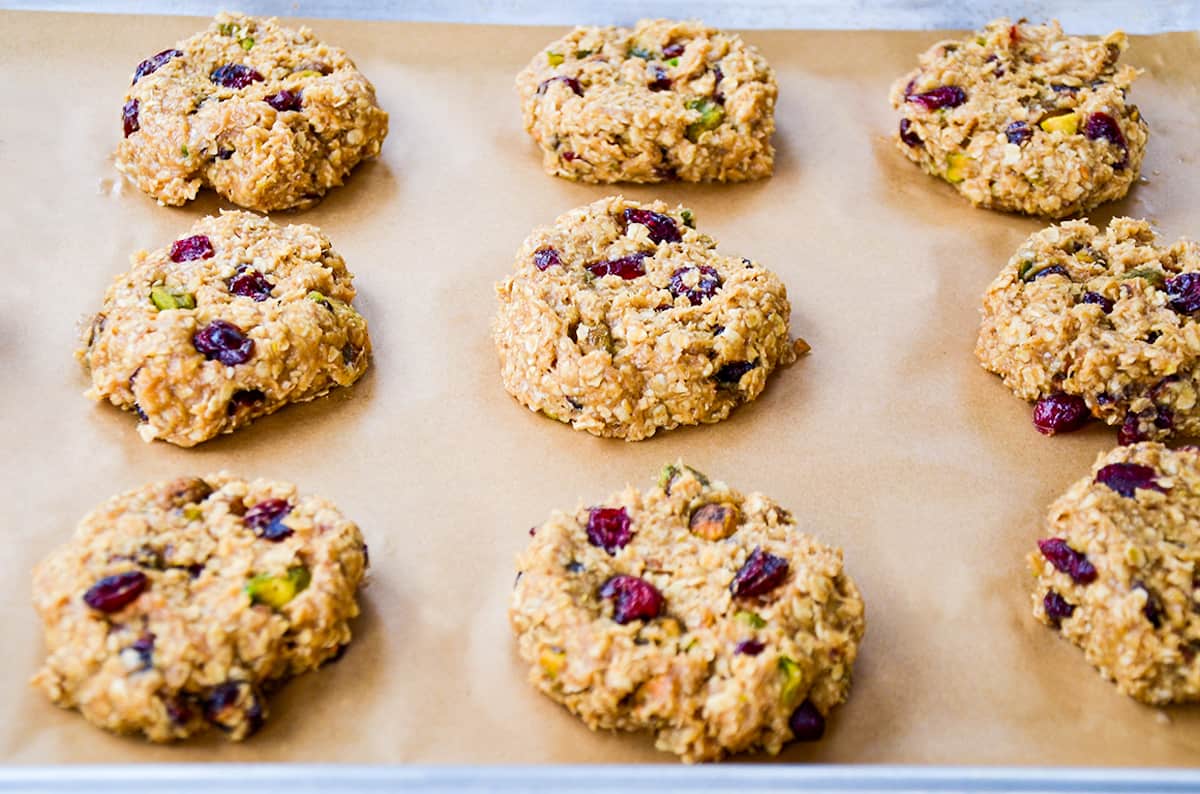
x=1024 y=118
x=265 y=115
x=1118 y=570
x=621 y=319
x=665 y=100
x=1104 y=320
x=692 y=611
x=177 y=606
x=230 y=322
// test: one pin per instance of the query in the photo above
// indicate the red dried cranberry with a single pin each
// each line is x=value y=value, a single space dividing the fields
x=178 y=709
x=115 y=592
x=1103 y=126
x=224 y=154
x=636 y=599
x=230 y=704
x=662 y=227
x=1018 y=132
x=129 y=117
x=569 y=155
x=718 y=95
x=1060 y=413
x=908 y=135
x=1105 y=304
x=250 y=283
x=546 y=257
x=673 y=50
x=285 y=100
x=153 y=64
x=609 y=528
x=195 y=247
x=749 y=647
x=1053 y=270
x=1073 y=563
x=661 y=81
x=946 y=96
x=244 y=398
x=761 y=573
x=224 y=342
x=627 y=267
x=1057 y=608
x=143 y=646
x=806 y=723
x=570 y=82
x=266 y=519
x=1131 y=430
x=708 y=282
x=1183 y=292
x=731 y=374
x=1126 y=478
x=1153 y=609
x=235 y=75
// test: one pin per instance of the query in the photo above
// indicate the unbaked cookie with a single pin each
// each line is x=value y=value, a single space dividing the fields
x=267 y=116
x=230 y=322
x=1118 y=571
x=689 y=610
x=1023 y=118
x=621 y=319
x=1102 y=323
x=177 y=606
x=665 y=100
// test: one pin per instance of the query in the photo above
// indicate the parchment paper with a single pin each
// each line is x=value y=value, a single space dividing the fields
x=888 y=440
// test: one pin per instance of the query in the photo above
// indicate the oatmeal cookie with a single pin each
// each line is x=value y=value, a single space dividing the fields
x=177 y=606
x=1102 y=323
x=665 y=100
x=1118 y=572
x=689 y=610
x=265 y=115
x=1023 y=118
x=621 y=319
x=229 y=323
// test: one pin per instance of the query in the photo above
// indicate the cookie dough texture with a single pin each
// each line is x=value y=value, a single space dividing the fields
x=1102 y=314
x=1138 y=620
x=196 y=648
x=267 y=116
x=687 y=675
x=696 y=334
x=1023 y=118
x=295 y=308
x=663 y=100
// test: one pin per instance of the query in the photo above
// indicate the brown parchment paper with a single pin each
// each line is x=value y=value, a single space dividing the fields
x=888 y=440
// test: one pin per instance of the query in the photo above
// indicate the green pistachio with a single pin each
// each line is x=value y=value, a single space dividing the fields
x=164 y=297
x=554 y=58
x=277 y=591
x=792 y=679
x=751 y=619
x=711 y=116
x=247 y=43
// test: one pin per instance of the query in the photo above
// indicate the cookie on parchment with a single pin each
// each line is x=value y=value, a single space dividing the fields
x=230 y=322
x=177 y=606
x=1102 y=323
x=1023 y=118
x=689 y=610
x=664 y=100
x=622 y=319
x=1118 y=570
x=267 y=116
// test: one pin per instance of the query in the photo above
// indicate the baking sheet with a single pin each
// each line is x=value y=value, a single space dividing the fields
x=887 y=440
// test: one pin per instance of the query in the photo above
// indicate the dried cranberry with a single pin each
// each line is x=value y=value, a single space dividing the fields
x=907 y=135
x=129 y=117
x=244 y=398
x=115 y=592
x=673 y=50
x=718 y=95
x=570 y=82
x=608 y=528
x=806 y=723
x=546 y=257
x=569 y=155
x=761 y=573
x=233 y=703
x=749 y=647
x=143 y=646
x=1103 y=126
x=1131 y=430
x=224 y=342
x=1060 y=413
x=660 y=82
x=1183 y=292
x=1126 y=478
x=1153 y=609
x=1018 y=132
x=250 y=283
x=1057 y=608
x=266 y=519
x=946 y=96
x=1073 y=563
x=627 y=267
x=235 y=75
x=1105 y=304
x=195 y=247
x=662 y=227
x=731 y=374
x=285 y=100
x=1053 y=270
x=153 y=64
x=178 y=709
x=636 y=599
x=224 y=154
x=707 y=283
